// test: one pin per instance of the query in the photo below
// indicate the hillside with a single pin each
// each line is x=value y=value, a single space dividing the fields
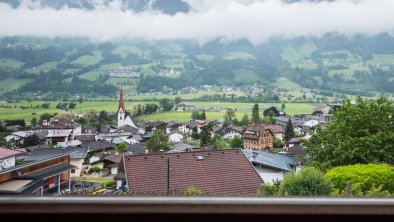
x=43 y=66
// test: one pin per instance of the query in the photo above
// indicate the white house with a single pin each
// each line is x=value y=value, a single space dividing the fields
x=17 y=138
x=7 y=158
x=229 y=132
x=175 y=137
x=271 y=166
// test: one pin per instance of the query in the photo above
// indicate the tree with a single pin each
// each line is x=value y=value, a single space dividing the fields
x=272 y=109
x=157 y=142
x=204 y=137
x=277 y=143
x=72 y=105
x=283 y=107
x=121 y=147
x=66 y=116
x=32 y=140
x=269 y=119
x=256 y=114
x=177 y=100
x=308 y=182
x=289 y=132
x=33 y=121
x=236 y=142
x=360 y=133
x=193 y=191
x=244 y=121
x=166 y=104
x=195 y=115
x=45 y=116
x=217 y=142
x=203 y=115
x=229 y=117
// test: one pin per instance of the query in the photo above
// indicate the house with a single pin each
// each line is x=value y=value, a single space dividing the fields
x=63 y=127
x=114 y=163
x=131 y=129
x=277 y=130
x=258 y=137
x=283 y=120
x=218 y=173
x=172 y=126
x=310 y=124
x=137 y=149
x=184 y=107
x=86 y=138
x=159 y=125
x=201 y=124
x=47 y=176
x=8 y=157
x=271 y=166
x=17 y=138
x=29 y=149
x=228 y=132
x=59 y=135
x=96 y=148
x=180 y=147
x=175 y=137
x=71 y=143
x=77 y=156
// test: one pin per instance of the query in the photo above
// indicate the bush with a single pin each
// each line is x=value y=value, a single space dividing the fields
x=95 y=170
x=267 y=189
x=366 y=179
x=193 y=191
x=309 y=182
x=110 y=185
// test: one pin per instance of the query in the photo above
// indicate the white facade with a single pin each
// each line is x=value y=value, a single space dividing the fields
x=175 y=137
x=114 y=170
x=269 y=175
x=231 y=135
x=7 y=162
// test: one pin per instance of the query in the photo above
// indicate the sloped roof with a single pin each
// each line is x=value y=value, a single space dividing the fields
x=275 y=128
x=98 y=145
x=31 y=148
x=224 y=131
x=59 y=124
x=296 y=150
x=45 y=153
x=137 y=148
x=269 y=159
x=5 y=153
x=85 y=138
x=226 y=172
x=129 y=129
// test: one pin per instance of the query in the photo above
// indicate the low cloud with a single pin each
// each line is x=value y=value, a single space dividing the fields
x=255 y=20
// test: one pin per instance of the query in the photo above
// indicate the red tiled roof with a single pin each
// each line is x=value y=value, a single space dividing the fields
x=115 y=159
x=5 y=153
x=225 y=172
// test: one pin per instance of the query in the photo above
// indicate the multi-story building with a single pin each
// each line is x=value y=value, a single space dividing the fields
x=258 y=137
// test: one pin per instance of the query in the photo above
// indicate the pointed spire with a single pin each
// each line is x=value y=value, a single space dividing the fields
x=121 y=101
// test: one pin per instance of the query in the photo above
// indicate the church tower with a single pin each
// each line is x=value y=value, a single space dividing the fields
x=121 y=110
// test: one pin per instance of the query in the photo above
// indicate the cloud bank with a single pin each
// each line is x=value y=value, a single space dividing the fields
x=255 y=20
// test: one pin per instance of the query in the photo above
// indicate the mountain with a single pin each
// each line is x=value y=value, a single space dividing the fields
x=166 y=6
x=331 y=64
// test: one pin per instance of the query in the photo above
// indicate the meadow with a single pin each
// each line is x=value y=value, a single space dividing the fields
x=215 y=110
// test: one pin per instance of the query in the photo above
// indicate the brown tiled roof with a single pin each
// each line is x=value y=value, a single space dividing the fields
x=275 y=128
x=226 y=172
x=59 y=124
x=5 y=153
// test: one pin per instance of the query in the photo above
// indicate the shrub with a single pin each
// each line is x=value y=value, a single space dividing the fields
x=95 y=170
x=267 y=189
x=308 y=182
x=366 y=179
x=193 y=191
x=111 y=185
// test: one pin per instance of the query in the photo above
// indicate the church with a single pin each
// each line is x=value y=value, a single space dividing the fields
x=123 y=120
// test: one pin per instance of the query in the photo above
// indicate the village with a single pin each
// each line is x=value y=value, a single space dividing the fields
x=156 y=157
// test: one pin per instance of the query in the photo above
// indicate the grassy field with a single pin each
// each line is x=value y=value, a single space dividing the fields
x=215 y=110
x=11 y=84
x=105 y=180
x=183 y=96
x=238 y=55
x=9 y=64
x=286 y=83
x=87 y=60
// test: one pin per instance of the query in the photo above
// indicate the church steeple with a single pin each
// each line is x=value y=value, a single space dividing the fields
x=121 y=101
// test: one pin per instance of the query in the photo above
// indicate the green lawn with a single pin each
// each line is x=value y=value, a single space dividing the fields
x=87 y=60
x=183 y=96
x=292 y=54
x=238 y=55
x=97 y=180
x=215 y=110
x=11 y=84
x=9 y=64
x=286 y=83
x=125 y=50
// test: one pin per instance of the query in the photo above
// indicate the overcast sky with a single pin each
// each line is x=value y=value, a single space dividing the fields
x=256 y=20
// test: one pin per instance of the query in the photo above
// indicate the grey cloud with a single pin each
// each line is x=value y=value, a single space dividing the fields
x=255 y=20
